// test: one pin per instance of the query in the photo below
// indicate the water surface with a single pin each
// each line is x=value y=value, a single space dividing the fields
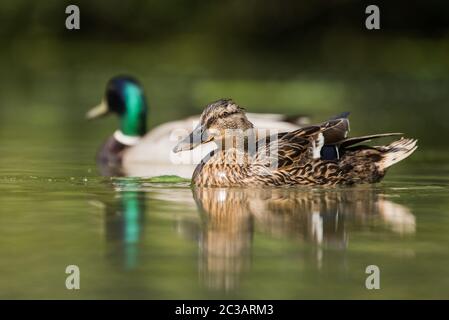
x=136 y=238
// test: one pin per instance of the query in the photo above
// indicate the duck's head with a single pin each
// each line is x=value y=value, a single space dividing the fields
x=124 y=96
x=216 y=119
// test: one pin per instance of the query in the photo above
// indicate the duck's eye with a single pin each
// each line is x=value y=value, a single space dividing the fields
x=115 y=102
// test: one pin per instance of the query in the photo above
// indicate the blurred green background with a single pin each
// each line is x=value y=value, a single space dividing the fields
x=313 y=57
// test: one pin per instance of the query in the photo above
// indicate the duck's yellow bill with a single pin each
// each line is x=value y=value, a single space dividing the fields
x=98 y=111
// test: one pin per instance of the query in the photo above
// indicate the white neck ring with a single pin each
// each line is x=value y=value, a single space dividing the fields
x=125 y=139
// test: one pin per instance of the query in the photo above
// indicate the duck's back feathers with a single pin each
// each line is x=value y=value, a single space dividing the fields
x=307 y=143
x=322 y=154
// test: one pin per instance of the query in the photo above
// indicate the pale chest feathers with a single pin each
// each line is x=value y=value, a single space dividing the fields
x=225 y=168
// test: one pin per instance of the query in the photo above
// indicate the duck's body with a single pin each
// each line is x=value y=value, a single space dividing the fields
x=356 y=165
x=132 y=151
x=315 y=155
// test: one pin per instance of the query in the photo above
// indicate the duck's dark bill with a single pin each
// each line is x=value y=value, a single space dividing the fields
x=198 y=136
x=97 y=111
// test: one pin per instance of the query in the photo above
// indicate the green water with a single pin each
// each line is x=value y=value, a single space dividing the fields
x=137 y=238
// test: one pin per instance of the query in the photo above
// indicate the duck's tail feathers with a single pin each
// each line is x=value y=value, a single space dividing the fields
x=396 y=151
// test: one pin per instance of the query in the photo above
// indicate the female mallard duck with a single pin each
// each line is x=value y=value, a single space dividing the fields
x=133 y=151
x=315 y=155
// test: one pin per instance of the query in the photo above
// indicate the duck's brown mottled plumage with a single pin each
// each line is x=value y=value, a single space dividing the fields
x=294 y=158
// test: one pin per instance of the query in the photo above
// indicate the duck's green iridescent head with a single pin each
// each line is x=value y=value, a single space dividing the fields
x=125 y=97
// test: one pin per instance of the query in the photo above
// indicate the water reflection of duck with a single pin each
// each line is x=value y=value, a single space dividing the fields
x=133 y=151
x=323 y=218
x=124 y=223
x=226 y=236
x=315 y=155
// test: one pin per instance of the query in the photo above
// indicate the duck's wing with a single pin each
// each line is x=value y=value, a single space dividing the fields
x=356 y=140
x=304 y=144
x=332 y=131
x=335 y=151
x=336 y=130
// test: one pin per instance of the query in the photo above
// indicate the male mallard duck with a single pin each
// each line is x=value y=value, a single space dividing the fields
x=135 y=152
x=315 y=155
